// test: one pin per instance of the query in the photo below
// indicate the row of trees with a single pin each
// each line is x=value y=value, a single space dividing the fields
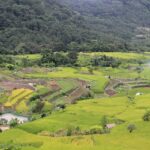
x=50 y=58
x=105 y=61
x=55 y=59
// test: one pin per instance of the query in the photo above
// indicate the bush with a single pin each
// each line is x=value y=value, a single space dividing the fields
x=131 y=128
x=69 y=131
x=104 y=122
x=61 y=106
x=10 y=67
x=146 y=116
x=43 y=115
x=34 y=97
x=96 y=130
x=13 y=123
x=105 y=61
x=37 y=108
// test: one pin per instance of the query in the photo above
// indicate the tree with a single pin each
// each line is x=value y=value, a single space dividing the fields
x=105 y=61
x=73 y=56
x=139 y=70
x=47 y=56
x=37 y=108
x=60 y=59
x=131 y=128
x=146 y=116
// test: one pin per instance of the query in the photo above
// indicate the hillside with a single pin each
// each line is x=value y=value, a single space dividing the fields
x=104 y=106
x=123 y=19
x=31 y=25
x=80 y=25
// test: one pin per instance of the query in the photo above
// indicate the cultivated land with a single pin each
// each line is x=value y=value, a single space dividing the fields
x=75 y=101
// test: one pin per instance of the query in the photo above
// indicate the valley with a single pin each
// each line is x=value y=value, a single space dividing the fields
x=74 y=74
x=76 y=107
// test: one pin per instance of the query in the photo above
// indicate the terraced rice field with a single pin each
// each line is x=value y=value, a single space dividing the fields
x=18 y=96
x=49 y=128
x=79 y=115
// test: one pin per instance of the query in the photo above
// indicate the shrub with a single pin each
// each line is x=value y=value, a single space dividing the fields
x=69 y=131
x=43 y=115
x=61 y=106
x=104 y=122
x=131 y=128
x=96 y=130
x=37 y=108
x=146 y=116
x=34 y=97
x=10 y=67
x=13 y=123
x=105 y=61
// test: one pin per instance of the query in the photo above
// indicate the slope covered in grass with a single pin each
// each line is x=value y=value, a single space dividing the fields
x=86 y=114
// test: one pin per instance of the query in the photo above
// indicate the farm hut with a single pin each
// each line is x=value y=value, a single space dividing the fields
x=138 y=94
x=110 y=126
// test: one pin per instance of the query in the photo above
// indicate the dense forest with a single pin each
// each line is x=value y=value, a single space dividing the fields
x=126 y=20
x=68 y=25
x=31 y=25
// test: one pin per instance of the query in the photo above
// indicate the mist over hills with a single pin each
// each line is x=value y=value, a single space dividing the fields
x=97 y=25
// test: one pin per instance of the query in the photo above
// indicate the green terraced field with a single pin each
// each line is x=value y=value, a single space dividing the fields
x=123 y=108
x=66 y=72
x=79 y=115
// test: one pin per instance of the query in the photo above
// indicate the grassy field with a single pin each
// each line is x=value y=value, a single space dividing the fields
x=135 y=141
x=122 y=109
x=66 y=72
x=119 y=55
x=85 y=56
x=93 y=110
x=29 y=56
x=79 y=115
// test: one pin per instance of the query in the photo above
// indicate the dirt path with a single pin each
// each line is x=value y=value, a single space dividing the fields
x=110 y=89
x=80 y=91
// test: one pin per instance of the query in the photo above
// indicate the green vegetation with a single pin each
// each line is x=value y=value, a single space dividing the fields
x=131 y=128
x=76 y=104
x=75 y=74
x=62 y=25
x=96 y=108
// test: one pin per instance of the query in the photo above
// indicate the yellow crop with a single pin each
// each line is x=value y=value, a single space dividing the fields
x=18 y=95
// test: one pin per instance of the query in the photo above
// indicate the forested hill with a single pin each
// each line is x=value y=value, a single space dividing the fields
x=126 y=19
x=32 y=25
x=28 y=26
